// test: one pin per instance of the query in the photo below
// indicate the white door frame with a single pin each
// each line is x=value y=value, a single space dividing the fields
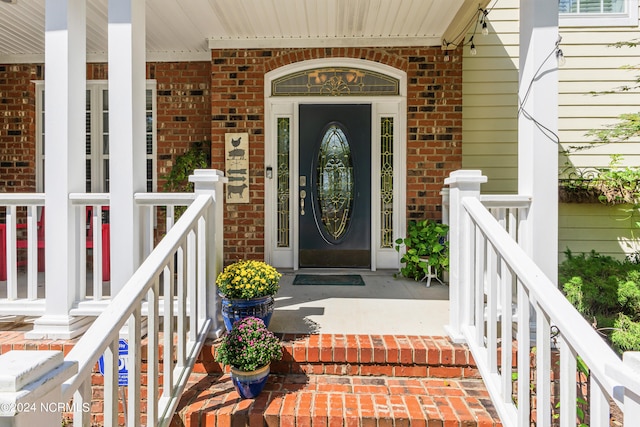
x=381 y=106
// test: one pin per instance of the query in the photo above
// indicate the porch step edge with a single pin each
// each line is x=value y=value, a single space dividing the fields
x=381 y=355
x=303 y=400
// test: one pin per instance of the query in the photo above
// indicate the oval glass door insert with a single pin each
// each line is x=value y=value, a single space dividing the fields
x=335 y=183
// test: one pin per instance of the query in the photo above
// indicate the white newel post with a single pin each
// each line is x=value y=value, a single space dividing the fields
x=462 y=184
x=210 y=181
x=127 y=135
x=538 y=129
x=65 y=86
x=31 y=388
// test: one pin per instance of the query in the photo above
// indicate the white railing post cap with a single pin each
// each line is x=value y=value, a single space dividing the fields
x=201 y=176
x=465 y=176
x=21 y=367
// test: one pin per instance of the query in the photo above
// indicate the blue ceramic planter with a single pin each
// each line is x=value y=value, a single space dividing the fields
x=237 y=309
x=249 y=384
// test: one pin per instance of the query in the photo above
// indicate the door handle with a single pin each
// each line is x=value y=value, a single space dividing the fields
x=303 y=194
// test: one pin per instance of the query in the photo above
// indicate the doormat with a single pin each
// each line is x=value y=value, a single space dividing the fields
x=329 y=279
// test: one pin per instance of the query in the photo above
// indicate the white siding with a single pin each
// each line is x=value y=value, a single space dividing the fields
x=490 y=102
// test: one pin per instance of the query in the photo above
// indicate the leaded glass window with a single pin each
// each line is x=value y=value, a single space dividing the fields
x=386 y=182
x=335 y=183
x=335 y=81
x=283 y=182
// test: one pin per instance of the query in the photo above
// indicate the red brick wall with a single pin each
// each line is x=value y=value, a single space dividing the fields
x=17 y=127
x=199 y=101
x=183 y=109
x=183 y=113
x=434 y=125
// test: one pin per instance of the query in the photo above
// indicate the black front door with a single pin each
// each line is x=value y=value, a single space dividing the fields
x=335 y=186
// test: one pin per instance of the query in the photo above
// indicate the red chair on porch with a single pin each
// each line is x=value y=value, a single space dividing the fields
x=21 y=244
x=106 y=241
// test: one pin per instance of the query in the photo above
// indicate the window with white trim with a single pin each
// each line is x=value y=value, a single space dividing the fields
x=588 y=13
x=97 y=136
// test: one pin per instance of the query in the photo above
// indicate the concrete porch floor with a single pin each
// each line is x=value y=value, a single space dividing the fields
x=384 y=306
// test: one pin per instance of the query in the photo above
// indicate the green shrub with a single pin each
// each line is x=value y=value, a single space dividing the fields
x=573 y=292
x=626 y=334
x=606 y=292
x=198 y=156
x=629 y=293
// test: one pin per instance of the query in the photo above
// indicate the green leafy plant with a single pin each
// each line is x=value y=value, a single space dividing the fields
x=628 y=124
x=248 y=279
x=249 y=345
x=612 y=185
x=198 y=156
x=426 y=245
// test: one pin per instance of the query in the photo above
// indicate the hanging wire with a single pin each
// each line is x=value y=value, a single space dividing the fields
x=521 y=110
x=480 y=13
x=479 y=17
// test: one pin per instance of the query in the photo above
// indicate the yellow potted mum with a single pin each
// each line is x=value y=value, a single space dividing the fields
x=247 y=288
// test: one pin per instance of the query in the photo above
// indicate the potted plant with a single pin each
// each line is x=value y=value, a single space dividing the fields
x=249 y=349
x=247 y=288
x=427 y=248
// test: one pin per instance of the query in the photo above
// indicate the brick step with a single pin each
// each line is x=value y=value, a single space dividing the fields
x=347 y=380
x=378 y=355
x=337 y=400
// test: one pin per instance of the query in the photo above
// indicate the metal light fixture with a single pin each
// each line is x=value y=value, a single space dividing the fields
x=485 y=30
x=483 y=21
x=562 y=61
x=560 y=54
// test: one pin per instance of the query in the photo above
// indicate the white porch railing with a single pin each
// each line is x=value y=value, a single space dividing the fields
x=20 y=298
x=490 y=271
x=22 y=248
x=171 y=291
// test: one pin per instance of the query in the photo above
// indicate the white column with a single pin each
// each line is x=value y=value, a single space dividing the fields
x=462 y=184
x=127 y=123
x=537 y=146
x=65 y=86
x=210 y=181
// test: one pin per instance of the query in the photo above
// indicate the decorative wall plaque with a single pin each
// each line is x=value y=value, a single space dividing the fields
x=237 y=167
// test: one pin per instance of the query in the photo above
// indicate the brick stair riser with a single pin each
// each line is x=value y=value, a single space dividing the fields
x=335 y=359
x=356 y=355
x=330 y=380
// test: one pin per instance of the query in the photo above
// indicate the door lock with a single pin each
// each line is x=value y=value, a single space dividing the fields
x=303 y=194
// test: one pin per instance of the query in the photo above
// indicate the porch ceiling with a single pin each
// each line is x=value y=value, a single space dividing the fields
x=187 y=29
